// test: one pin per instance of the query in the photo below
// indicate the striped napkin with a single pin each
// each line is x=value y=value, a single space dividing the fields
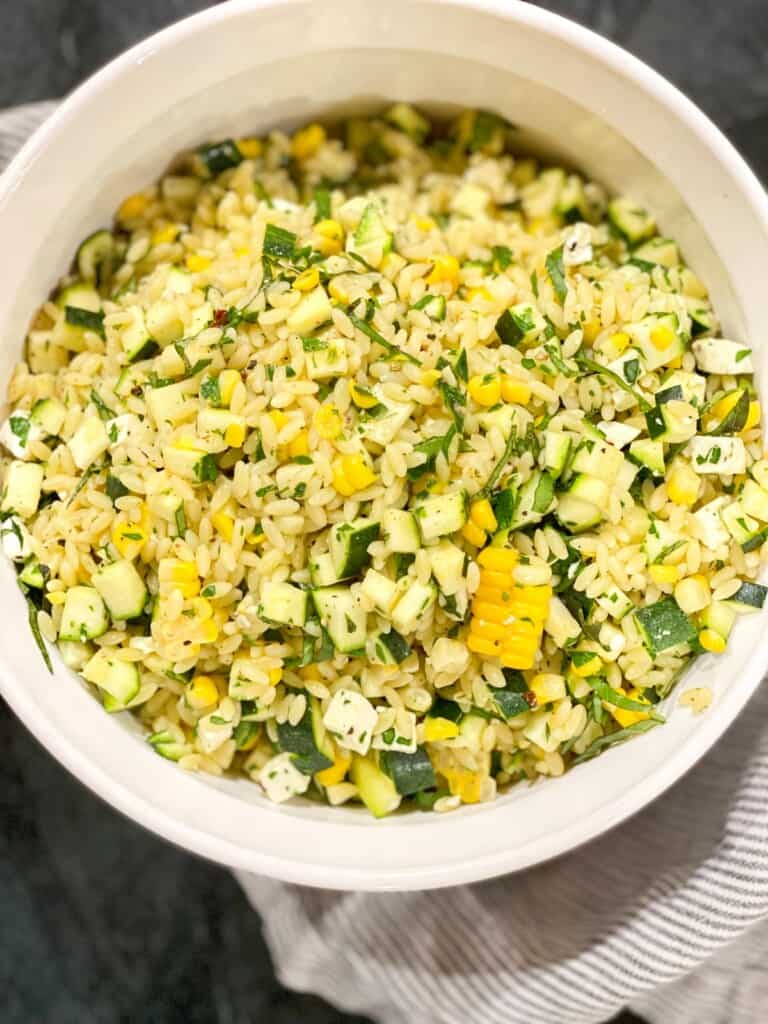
x=668 y=915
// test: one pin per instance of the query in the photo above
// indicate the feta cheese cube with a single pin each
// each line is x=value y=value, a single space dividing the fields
x=217 y=727
x=351 y=718
x=722 y=455
x=618 y=434
x=281 y=779
x=719 y=355
x=17 y=432
x=577 y=247
x=15 y=539
x=708 y=527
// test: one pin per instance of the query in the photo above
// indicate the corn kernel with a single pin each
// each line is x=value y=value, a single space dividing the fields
x=351 y=474
x=132 y=207
x=625 y=717
x=473 y=534
x=438 y=729
x=663 y=573
x=693 y=594
x=683 y=484
x=329 y=237
x=494 y=595
x=620 y=341
x=591 y=329
x=489 y=630
x=241 y=251
x=201 y=693
x=588 y=668
x=712 y=641
x=424 y=223
x=228 y=380
x=541 y=226
x=306 y=142
x=480 y=645
x=494 y=613
x=362 y=398
x=57 y=597
x=328 y=422
x=464 y=783
x=307 y=280
x=498 y=559
x=279 y=418
x=486 y=391
x=176 y=570
x=753 y=417
x=479 y=293
x=208 y=632
x=662 y=336
x=130 y=538
x=224 y=524
x=250 y=148
x=299 y=445
x=275 y=675
x=491 y=578
x=482 y=515
x=234 y=435
x=334 y=774
x=256 y=538
x=430 y=377
x=516 y=391
x=445 y=269
x=196 y=262
x=165 y=234
x=548 y=687
x=338 y=292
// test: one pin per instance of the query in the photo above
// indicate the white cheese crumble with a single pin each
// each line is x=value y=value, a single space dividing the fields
x=577 y=247
x=719 y=355
x=281 y=779
x=724 y=455
x=351 y=718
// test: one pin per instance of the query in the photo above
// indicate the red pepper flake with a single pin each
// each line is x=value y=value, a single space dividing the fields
x=220 y=318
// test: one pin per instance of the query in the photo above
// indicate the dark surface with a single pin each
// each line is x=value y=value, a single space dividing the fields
x=100 y=921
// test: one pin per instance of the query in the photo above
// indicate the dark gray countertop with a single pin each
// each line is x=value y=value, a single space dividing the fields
x=101 y=922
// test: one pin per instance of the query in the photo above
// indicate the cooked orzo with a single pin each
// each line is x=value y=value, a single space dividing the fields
x=378 y=465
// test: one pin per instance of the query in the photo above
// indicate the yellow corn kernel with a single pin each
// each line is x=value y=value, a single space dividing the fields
x=516 y=391
x=445 y=269
x=176 y=572
x=712 y=641
x=480 y=645
x=464 y=783
x=132 y=207
x=279 y=418
x=503 y=580
x=548 y=687
x=256 y=538
x=327 y=422
x=334 y=774
x=307 y=280
x=540 y=226
x=753 y=417
x=663 y=573
x=588 y=668
x=196 y=262
x=299 y=445
x=494 y=595
x=329 y=237
x=721 y=408
x=485 y=390
x=624 y=717
x=437 y=729
x=620 y=341
x=201 y=693
x=430 y=377
x=228 y=380
x=676 y=363
x=208 y=633
x=166 y=233
x=57 y=596
x=241 y=252
x=424 y=223
x=683 y=484
x=337 y=292
x=498 y=559
x=362 y=398
x=662 y=336
x=488 y=630
x=275 y=675
x=224 y=524
x=130 y=538
x=234 y=435
x=521 y=657
x=250 y=147
x=591 y=329
x=490 y=612
x=479 y=293
x=473 y=534
x=351 y=474
x=306 y=142
x=482 y=515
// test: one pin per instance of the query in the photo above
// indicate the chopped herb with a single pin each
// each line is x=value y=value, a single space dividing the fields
x=453 y=398
x=210 y=390
x=620 y=700
x=389 y=346
x=206 y=469
x=460 y=367
x=279 y=243
x=590 y=364
x=632 y=370
x=313 y=344
x=20 y=427
x=556 y=271
x=322 y=199
x=95 y=467
x=300 y=490
x=615 y=737
x=501 y=257
x=115 y=488
x=101 y=407
x=302 y=460
x=535 y=283
x=553 y=351
x=35 y=628
x=181 y=521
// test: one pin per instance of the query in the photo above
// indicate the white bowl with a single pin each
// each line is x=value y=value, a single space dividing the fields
x=245 y=67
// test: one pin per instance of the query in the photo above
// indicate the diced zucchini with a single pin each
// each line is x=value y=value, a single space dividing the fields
x=379 y=589
x=560 y=624
x=659 y=338
x=408 y=120
x=342 y=616
x=535 y=499
x=520 y=324
x=120 y=679
x=718 y=454
x=313 y=310
x=122 y=589
x=164 y=323
x=664 y=625
x=307 y=741
x=69 y=330
x=416 y=601
x=673 y=422
x=597 y=458
x=349 y=543
x=750 y=597
x=754 y=500
x=662 y=542
x=135 y=338
x=328 y=359
x=718 y=615
x=617 y=434
x=132 y=377
x=89 y=441
x=410 y=772
x=722 y=356
x=371 y=239
x=702 y=319
x=693 y=386
x=283 y=603
x=589 y=488
x=442 y=514
x=172 y=404
x=21 y=488
x=615 y=602
x=557 y=449
x=376 y=789
x=48 y=415
x=576 y=515
x=385 y=420
x=401 y=532
x=432 y=305
x=84 y=615
x=742 y=527
x=649 y=454
x=631 y=220
x=95 y=257
x=390 y=648
x=540 y=196
x=322 y=571
x=570 y=203
x=34 y=574
x=663 y=251
x=447 y=562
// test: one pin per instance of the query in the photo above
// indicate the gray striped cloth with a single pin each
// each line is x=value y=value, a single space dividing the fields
x=667 y=915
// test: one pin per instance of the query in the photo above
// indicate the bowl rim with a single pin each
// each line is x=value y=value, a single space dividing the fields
x=606 y=816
